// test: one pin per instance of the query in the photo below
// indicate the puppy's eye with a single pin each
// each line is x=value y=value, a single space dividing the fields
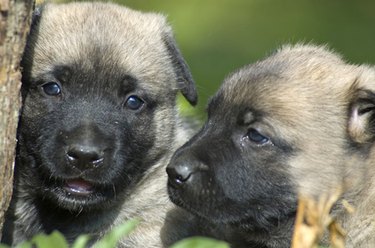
x=134 y=102
x=257 y=137
x=51 y=88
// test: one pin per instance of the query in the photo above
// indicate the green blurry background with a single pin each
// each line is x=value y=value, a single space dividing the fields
x=218 y=36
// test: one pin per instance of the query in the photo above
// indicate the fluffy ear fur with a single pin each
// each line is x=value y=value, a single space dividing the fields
x=185 y=80
x=361 y=125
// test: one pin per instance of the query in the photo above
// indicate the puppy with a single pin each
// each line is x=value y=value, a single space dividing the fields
x=298 y=122
x=99 y=123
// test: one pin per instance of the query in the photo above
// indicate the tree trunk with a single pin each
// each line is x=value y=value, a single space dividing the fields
x=15 y=16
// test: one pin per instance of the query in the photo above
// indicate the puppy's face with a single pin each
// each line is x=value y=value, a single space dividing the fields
x=274 y=129
x=235 y=170
x=99 y=90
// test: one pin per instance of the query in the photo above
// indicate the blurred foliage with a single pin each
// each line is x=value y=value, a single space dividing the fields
x=110 y=240
x=218 y=36
x=57 y=240
x=200 y=242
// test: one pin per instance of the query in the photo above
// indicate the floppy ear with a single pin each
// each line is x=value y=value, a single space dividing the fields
x=361 y=126
x=184 y=78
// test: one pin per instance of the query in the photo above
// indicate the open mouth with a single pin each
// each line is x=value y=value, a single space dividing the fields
x=75 y=193
x=78 y=187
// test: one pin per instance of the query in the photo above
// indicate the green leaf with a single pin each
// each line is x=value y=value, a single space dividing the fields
x=81 y=241
x=110 y=240
x=4 y=246
x=25 y=245
x=55 y=240
x=200 y=242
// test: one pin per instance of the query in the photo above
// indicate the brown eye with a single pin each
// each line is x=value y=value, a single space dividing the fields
x=257 y=137
x=51 y=88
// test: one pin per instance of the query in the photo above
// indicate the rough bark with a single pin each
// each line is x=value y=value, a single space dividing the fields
x=15 y=16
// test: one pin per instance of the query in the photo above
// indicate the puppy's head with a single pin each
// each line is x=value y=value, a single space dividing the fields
x=99 y=88
x=276 y=128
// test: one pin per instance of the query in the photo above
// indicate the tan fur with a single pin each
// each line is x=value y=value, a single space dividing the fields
x=97 y=35
x=310 y=97
x=132 y=39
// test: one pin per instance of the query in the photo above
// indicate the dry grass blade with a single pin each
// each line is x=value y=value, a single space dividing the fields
x=313 y=219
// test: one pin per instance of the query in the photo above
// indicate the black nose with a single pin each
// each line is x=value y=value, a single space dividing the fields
x=179 y=174
x=183 y=168
x=87 y=147
x=85 y=156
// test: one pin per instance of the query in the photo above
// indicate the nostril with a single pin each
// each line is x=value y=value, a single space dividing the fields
x=180 y=179
x=72 y=155
x=84 y=155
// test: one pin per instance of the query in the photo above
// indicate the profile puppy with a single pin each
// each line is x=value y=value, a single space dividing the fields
x=99 y=123
x=298 y=122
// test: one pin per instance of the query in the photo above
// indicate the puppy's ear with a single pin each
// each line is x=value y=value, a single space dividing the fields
x=361 y=126
x=184 y=78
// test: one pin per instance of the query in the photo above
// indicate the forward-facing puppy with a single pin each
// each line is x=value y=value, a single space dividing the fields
x=300 y=121
x=99 y=122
